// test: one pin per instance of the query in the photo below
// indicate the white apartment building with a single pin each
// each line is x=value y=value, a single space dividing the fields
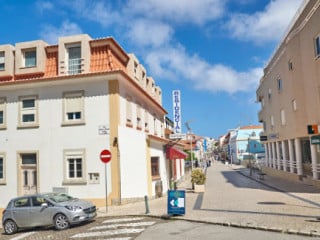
x=290 y=99
x=61 y=105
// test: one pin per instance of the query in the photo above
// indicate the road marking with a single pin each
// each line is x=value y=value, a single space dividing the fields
x=137 y=224
x=108 y=233
x=22 y=236
x=117 y=220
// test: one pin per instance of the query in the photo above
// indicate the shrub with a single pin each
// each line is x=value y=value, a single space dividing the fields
x=198 y=177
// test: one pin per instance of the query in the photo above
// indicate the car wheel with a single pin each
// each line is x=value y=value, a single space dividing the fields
x=61 y=222
x=10 y=227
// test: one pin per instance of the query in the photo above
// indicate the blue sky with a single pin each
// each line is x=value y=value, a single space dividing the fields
x=213 y=51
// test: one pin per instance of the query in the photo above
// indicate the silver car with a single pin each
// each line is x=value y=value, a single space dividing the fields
x=58 y=209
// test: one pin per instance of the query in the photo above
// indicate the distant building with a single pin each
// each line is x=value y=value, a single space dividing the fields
x=245 y=141
x=290 y=98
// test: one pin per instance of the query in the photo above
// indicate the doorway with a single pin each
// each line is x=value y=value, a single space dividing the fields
x=28 y=177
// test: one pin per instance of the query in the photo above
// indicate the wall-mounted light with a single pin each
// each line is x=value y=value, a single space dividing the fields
x=115 y=142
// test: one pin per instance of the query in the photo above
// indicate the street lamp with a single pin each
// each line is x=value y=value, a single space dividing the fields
x=190 y=136
x=253 y=134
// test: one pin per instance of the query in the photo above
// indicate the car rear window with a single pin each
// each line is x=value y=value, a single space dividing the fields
x=22 y=202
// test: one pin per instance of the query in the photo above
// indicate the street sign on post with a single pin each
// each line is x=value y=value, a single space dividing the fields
x=176 y=202
x=105 y=157
x=178 y=136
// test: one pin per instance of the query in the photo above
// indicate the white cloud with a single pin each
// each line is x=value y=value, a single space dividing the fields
x=175 y=64
x=50 y=34
x=149 y=33
x=97 y=11
x=43 y=6
x=266 y=26
x=193 y=11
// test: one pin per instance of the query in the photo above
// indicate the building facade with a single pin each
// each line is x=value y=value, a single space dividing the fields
x=289 y=96
x=61 y=105
x=244 y=143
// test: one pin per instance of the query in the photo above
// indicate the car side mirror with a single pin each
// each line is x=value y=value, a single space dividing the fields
x=44 y=205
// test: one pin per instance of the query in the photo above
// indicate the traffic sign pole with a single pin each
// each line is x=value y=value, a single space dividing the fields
x=105 y=157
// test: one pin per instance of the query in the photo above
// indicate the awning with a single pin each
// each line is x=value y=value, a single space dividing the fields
x=174 y=153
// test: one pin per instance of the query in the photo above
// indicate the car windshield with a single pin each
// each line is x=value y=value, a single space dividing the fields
x=59 y=197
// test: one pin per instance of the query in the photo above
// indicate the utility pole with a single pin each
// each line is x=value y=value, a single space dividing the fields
x=190 y=136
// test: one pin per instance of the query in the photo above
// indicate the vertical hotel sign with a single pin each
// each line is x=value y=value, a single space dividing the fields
x=176 y=111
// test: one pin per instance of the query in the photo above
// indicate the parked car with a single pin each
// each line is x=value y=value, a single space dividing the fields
x=57 y=209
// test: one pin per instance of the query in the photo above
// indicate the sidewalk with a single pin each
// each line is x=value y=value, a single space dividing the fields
x=295 y=209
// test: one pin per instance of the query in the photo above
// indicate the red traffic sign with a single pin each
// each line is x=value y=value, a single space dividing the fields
x=105 y=156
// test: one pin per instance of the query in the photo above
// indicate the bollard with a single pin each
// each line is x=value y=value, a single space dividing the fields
x=146 y=203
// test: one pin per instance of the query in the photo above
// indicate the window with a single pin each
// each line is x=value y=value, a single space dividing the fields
x=155 y=125
x=283 y=117
x=29 y=158
x=74 y=107
x=138 y=116
x=272 y=121
x=30 y=58
x=290 y=65
x=2 y=113
x=279 y=81
x=74 y=166
x=2 y=61
x=269 y=93
x=74 y=60
x=135 y=69
x=22 y=202
x=2 y=169
x=28 y=111
x=294 y=105
x=129 y=111
x=146 y=120
x=317 y=46
x=262 y=102
x=155 y=171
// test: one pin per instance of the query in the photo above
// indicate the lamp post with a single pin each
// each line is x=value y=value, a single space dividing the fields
x=253 y=134
x=190 y=136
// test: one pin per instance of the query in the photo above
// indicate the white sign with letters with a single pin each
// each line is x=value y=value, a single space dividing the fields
x=176 y=111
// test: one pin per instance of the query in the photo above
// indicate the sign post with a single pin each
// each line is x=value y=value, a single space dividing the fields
x=105 y=157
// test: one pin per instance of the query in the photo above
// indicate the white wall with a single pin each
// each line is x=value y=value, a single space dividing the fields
x=133 y=165
x=50 y=139
x=156 y=150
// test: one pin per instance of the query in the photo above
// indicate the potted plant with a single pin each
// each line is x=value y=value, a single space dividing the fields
x=198 y=179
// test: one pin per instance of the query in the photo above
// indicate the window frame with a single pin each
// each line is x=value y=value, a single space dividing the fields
x=76 y=67
x=283 y=117
x=272 y=121
x=3 y=163
x=294 y=105
x=66 y=120
x=269 y=93
x=317 y=46
x=3 y=109
x=2 y=61
x=32 y=59
x=74 y=154
x=146 y=120
x=279 y=84
x=129 y=111
x=24 y=111
x=290 y=65
x=139 y=116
